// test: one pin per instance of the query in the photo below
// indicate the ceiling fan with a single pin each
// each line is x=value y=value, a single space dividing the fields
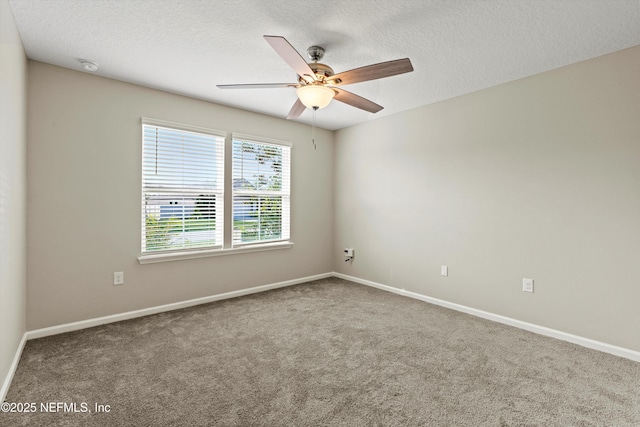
x=317 y=84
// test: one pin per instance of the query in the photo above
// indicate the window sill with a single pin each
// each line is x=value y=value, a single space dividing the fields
x=177 y=256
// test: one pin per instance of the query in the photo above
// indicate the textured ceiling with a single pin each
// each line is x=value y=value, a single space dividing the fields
x=456 y=46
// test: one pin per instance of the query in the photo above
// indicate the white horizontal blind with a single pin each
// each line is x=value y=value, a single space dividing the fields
x=261 y=191
x=182 y=186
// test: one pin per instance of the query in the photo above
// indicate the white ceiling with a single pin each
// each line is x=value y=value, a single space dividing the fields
x=456 y=46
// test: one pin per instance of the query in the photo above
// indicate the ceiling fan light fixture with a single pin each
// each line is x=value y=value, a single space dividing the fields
x=315 y=96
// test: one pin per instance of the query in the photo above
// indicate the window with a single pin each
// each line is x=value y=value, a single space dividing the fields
x=185 y=187
x=182 y=186
x=260 y=191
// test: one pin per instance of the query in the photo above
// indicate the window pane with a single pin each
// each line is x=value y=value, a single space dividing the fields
x=257 y=166
x=173 y=221
x=182 y=189
x=257 y=218
x=260 y=192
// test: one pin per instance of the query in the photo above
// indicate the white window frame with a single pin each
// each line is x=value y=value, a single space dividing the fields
x=224 y=205
x=176 y=173
x=284 y=193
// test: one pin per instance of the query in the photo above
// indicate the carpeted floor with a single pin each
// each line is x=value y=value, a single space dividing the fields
x=326 y=353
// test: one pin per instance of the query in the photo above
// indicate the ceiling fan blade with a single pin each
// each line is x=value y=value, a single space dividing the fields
x=356 y=101
x=372 y=72
x=258 y=86
x=296 y=110
x=291 y=57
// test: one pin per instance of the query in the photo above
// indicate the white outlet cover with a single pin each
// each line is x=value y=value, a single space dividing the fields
x=527 y=285
x=118 y=278
x=444 y=270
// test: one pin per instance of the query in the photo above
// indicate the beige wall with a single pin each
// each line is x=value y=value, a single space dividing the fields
x=13 y=187
x=84 y=180
x=536 y=178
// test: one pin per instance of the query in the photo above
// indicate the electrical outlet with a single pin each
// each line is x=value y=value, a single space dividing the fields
x=118 y=278
x=527 y=285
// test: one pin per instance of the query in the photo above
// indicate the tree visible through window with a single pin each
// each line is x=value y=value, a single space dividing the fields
x=260 y=191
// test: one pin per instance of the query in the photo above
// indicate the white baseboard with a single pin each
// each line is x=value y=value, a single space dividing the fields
x=83 y=324
x=575 y=339
x=12 y=369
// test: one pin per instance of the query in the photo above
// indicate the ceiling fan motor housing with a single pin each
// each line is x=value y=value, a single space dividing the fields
x=322 y=71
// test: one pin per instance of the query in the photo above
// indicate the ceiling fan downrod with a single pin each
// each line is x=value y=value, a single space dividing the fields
x=315 y=53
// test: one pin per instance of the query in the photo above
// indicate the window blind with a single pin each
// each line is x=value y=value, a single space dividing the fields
x=261 y=191
x=182 y=185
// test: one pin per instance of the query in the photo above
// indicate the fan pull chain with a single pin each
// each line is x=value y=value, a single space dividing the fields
x=313 y=129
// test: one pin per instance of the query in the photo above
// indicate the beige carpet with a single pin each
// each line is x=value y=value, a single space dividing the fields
x=327 y=353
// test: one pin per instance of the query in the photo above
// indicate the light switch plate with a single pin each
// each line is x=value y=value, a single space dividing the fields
x=444 y=270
